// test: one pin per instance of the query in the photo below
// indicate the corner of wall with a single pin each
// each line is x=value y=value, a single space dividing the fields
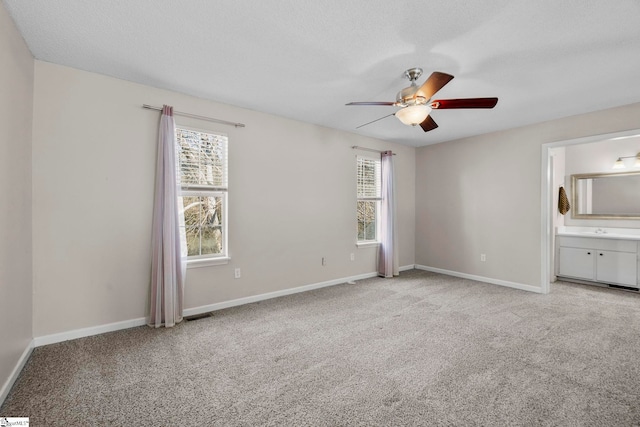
x=16 y=247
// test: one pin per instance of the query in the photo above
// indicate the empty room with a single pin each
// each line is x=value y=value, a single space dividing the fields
x=375 y=213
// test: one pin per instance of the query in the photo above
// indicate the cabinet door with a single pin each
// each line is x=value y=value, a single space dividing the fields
x=578 y=263
x=617 y=267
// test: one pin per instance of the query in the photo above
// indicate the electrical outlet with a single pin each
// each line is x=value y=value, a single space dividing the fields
x=324 y=261
x=483 y=257
x=353 y=257
x=237 y=273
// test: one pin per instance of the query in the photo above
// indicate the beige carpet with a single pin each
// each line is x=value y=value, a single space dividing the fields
x=422 y=349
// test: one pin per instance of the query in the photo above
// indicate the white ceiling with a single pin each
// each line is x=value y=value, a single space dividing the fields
x=304 y=60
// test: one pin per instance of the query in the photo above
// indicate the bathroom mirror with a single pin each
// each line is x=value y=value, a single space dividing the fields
x=606 y=195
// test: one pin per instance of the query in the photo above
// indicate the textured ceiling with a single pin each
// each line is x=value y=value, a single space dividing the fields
x=304 y=60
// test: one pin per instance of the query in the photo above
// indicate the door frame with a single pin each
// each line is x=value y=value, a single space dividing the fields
x=546 y=181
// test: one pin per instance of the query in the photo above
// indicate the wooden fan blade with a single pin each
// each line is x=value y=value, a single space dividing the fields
x=442 y=104
x=371 y=103
x=434 y=83
x=428 y=124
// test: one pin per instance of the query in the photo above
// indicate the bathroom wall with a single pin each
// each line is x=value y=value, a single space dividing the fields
x=598 y=157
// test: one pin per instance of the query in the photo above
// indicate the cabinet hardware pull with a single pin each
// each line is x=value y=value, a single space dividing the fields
x=588 y=253
x=601 y=254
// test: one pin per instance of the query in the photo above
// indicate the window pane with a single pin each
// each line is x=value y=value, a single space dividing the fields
x=370 y=231
x=211 y=240
x=203 y=158
x=367 y=220
x=203 y=225
x=368 y=178
x=192 y=219
x=211 y=226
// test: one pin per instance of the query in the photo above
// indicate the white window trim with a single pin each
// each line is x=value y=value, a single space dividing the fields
x=370 y=243
x=207 y=262
x=367 y=244
x=198 y=261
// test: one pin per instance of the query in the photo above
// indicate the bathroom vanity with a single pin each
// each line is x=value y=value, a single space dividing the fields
x=607 y=256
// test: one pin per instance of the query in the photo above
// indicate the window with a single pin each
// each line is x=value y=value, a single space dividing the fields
x=202 y=175
x=369 y=196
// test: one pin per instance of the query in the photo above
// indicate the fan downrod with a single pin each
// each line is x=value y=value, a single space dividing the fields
x=413 y=74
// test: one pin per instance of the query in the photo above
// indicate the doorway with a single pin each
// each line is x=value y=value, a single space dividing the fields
x=548 y=194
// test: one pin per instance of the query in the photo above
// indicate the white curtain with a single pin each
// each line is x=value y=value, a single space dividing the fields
x=168 y=266
x=388 y=265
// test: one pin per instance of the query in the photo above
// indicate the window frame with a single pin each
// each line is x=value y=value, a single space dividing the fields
x=194 y=190
x=378 y=200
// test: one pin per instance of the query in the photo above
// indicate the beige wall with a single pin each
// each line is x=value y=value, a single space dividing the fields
x=16 y=106
x=291 y=201
x=482 y=195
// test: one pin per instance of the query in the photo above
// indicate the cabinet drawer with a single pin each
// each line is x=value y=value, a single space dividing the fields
x=595 y=243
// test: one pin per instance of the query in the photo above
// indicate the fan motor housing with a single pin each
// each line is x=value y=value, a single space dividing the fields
x=407 y=95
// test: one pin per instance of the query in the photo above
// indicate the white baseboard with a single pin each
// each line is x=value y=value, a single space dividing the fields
x=255 y=298
x=87 y=332
x=111 y=327
x=6 y=387
x=499 y=282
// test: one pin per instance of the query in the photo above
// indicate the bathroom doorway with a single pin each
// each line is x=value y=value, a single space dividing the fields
x=553 y=175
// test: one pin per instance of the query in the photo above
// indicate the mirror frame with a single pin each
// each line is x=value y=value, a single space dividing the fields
x=574 y=196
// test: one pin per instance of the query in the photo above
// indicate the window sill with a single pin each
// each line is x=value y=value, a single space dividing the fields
x=367 y=244
x=207 y=262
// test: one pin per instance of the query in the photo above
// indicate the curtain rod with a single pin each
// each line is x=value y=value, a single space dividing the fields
x=195 y=116
x=355 y=147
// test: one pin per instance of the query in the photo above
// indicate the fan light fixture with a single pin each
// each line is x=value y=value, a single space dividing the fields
x=413 y=114
x=620 y=164
x=416 y=101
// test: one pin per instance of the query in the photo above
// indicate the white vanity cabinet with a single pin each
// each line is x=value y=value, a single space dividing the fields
x=602 y=260
x=617 y=267
x=578 y=263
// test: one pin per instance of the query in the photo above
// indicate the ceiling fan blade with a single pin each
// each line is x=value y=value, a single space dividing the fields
x=442 y=104
x=434 y=83
x=388 y=115
x=371 y=103
x=428 y=124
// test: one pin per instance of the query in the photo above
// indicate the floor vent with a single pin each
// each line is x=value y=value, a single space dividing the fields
x=198 y=316
x=625 y=288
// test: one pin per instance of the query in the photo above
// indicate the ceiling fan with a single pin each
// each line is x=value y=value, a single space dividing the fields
x=416 y=103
